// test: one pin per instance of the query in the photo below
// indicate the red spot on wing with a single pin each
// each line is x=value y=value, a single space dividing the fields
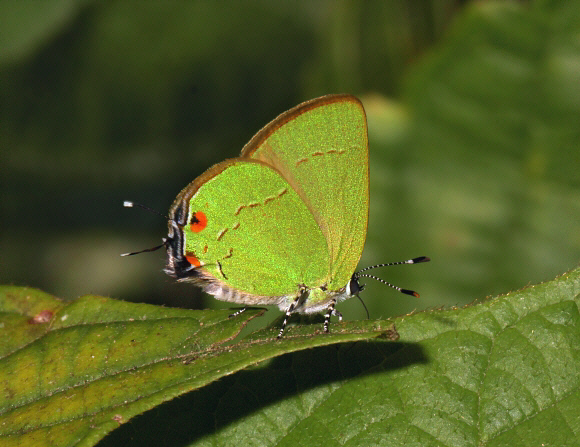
x=198 y=221
x=193 y=261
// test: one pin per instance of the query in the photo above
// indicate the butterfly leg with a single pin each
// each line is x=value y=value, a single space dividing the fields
x=331 y=311
x=238 y=312
x=288 y=313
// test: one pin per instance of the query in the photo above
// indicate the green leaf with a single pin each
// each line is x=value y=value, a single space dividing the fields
x=70 y=373
x=502 y=372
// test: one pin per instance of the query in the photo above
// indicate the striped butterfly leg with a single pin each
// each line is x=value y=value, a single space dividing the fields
x=238 y=312
x=289 y=312
x=331 y=311
x=302 y=295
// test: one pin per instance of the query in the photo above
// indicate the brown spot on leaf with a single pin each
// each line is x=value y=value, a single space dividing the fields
x=118 y=418
x=42 y=317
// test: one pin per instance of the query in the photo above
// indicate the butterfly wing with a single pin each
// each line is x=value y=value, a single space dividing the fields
x=320 y=148
x=251 y=231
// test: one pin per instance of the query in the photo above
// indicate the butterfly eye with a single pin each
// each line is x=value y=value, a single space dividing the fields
x=198 y=221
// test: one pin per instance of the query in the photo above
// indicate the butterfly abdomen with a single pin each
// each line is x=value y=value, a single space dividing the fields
x=229 y=294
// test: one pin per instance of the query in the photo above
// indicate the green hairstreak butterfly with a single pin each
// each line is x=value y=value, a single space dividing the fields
x=285 y=222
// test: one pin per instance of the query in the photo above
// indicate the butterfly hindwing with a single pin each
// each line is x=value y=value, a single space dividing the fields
x=321 y=148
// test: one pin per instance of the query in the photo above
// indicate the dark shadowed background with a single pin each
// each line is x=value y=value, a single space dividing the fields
x=473 y=110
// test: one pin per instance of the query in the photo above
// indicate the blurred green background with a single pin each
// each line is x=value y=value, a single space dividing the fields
x=474 y=127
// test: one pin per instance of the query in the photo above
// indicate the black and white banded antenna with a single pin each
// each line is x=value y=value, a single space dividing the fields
x=418 y=260
x=130 y=204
